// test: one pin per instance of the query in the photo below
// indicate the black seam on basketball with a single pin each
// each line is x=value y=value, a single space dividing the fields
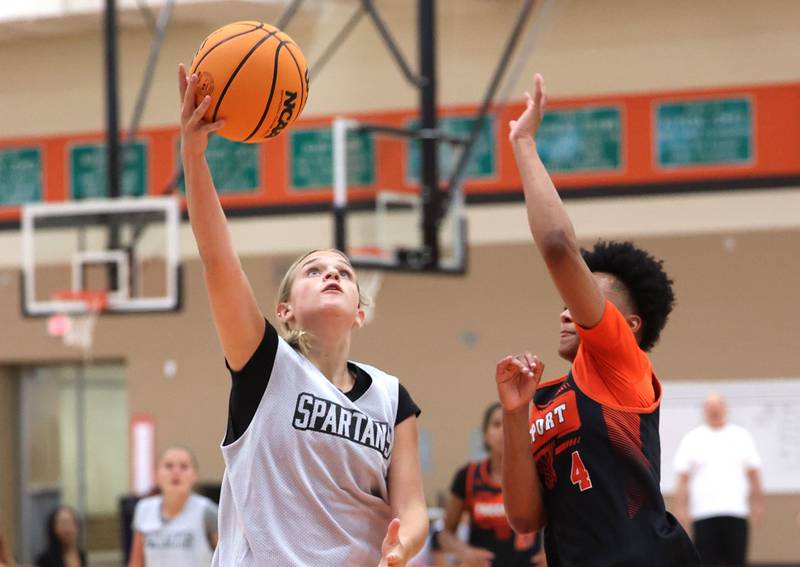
x=212 y=48
x=271 y=92
x=303 y=85
x=236 y=71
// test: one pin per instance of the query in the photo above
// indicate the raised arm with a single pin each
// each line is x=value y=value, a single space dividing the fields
x=550 y=226
x=517 y=379
x=239 y=322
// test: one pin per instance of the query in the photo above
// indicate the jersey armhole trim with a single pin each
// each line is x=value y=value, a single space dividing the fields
x=469 y=485
x=552 y=382
x=542 y=385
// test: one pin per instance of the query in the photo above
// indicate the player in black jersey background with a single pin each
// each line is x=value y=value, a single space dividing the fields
x=584 y=462
x=476 y=491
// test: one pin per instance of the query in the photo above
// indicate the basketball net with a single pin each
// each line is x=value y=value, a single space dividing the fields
x=370 y=283
x=77 y=329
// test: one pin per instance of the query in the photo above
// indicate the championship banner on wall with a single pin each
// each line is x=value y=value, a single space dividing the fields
x=628 y=144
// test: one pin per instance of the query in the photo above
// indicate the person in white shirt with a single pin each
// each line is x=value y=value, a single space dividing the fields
x=177 y=527
x=718 y=486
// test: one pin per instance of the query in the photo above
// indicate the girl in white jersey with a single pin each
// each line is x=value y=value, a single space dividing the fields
x=321 y=460
x=177 y=527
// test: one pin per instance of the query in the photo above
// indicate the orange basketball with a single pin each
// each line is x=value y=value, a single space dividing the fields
x=256 y=77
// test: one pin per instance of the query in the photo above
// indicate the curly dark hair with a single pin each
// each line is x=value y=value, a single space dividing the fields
x=643 y=276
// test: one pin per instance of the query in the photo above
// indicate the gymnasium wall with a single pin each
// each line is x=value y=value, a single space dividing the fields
x=732 y=321
x=736 y=282
x=9 y=395
x=584 y=48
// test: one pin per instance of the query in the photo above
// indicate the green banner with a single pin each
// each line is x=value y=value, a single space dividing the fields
x=704 y=132
x=482 y=163
x=88 y=170
x=312 y=158
x=235 y=166
x=581 y=140
x=20 y=175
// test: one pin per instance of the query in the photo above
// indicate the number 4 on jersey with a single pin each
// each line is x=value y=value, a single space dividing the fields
x=578 y=473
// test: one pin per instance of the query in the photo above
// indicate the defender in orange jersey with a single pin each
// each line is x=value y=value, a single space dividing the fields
x=584 y=461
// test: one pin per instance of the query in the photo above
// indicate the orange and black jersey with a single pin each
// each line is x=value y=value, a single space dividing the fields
x=488 y=525
x=594 y=435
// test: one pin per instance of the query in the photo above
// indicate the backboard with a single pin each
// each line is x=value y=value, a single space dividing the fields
x=128 y=248
x=383 y=224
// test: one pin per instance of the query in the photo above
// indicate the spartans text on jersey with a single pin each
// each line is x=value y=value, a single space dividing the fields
x=318 y=414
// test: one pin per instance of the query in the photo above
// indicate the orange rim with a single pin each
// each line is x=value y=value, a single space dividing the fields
x=94 y=300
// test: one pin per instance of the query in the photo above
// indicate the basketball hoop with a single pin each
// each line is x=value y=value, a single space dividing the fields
x=75 y=323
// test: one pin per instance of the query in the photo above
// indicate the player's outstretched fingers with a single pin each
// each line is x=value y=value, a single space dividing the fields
x=509 y=367
x=525 y=360
x=529 y=359
x=199 y=112
x=503 y=364
x=539 y=93
x=391 y=550
x=188 y=106
x=183 y=81
x=213 y=126
x=538 y=369
x=540 y=98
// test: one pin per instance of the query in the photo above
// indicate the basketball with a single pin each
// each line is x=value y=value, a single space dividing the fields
x=257 y=79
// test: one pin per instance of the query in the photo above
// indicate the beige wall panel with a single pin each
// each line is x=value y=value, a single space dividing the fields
x=737 y=311
x=633 y=46
x=687 y=214
x=45 y=455
x=775 y=540
x=9 y=422
x=583 y=48
x=736 y=318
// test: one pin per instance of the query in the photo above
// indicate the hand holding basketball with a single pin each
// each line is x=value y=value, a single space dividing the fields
x=393 y=553
x=517 y=379
x=255 y=77
x=194 y=129
x=527 y=125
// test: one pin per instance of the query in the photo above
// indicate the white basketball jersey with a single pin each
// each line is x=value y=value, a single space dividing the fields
x=179 y=542
x=306 y=484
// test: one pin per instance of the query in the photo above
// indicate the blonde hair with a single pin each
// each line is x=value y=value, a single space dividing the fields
x=300 y=338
